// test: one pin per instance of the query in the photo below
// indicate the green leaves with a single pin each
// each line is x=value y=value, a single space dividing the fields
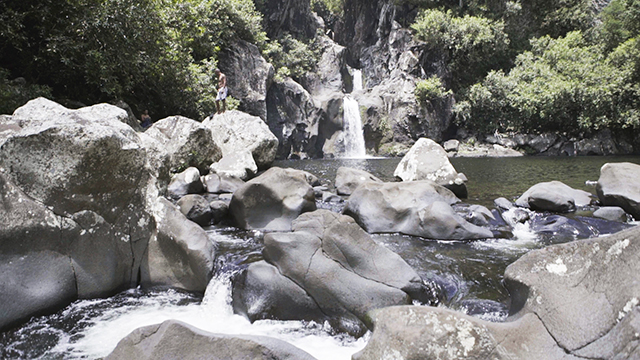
x=474 y=45
x=155 y=54
x=563 y=84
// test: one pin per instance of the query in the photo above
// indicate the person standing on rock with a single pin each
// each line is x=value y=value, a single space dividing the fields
x=222 y=92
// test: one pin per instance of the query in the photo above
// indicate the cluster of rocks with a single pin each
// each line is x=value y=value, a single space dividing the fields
x=602 y=142
x=87 y=201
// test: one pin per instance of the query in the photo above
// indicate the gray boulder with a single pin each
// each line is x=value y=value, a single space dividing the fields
x=412 y=332
x=179 y=255
x=348 y=179
x=570 y=301
x=234 y=131
x=262 y=292
x=340 y=267
x=70 y=193
x=613 y=213
x=177 y=340
x=273 y=200
x=428 y=161
x=249 y=76
x=553 y=196
x=187 y=142
x=221 y=183
x=451 y=145
x=618 y=186
x=186 y=182
x=239 y=165
x=219 y=210
x=562 y=283
x=419 y=208
x=196 y=208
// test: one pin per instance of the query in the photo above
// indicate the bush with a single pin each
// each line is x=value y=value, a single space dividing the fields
x=155 y=54
x=564 y=85
x=291 y=57
x=474 y=45
x=430 y=89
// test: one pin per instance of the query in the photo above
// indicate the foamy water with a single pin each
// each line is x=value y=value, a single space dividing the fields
x=214 y=314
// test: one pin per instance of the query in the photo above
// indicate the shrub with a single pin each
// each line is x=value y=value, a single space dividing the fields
x=430 y=89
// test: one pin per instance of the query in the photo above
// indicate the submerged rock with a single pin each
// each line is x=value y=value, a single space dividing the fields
x=618 y=186
x=613 y=213
x=419 y=208
x=428 y=161
x=174 y=339
x=273 y=200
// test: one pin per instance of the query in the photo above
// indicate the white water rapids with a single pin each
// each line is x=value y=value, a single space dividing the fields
x=214 y=314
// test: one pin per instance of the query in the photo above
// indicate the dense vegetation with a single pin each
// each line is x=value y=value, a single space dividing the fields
x=565 y=66
x=155 y=54
x=539 y=65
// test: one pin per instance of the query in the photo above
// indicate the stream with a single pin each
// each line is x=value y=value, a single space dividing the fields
x=468 y=275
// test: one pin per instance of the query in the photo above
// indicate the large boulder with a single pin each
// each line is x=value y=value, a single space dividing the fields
x=234 y=131
x=273 y=200
x=78 y=204
x=553 y=196
x=348 y=179
x=330 y=258
x=427 y=160
x=419 y=208
x=577 y=300
x=188 y=143
x=249 y=76
x=174 y=339
x=562 y=283
x=196 y=208
x=74 y=219
x=179 y=255
x=618 y=186
x=420 y=332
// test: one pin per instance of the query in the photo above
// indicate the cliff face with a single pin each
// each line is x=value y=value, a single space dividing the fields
x=372 y=36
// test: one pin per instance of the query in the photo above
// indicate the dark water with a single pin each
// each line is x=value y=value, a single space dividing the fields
x=468 y=275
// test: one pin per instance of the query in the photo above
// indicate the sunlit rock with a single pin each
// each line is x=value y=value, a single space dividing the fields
x=427 y=160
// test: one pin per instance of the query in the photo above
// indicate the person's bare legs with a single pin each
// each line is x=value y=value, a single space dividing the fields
x=217 y=107
x=224 y=105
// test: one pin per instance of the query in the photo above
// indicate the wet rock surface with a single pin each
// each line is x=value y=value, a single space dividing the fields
x=618 y=186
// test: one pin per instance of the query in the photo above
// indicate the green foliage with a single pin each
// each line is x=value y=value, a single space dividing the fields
x=562 y=84
x=475 y=45
x=291 y=57
x=155 y=54
x=15 y=93
x=335 y=7
x=430 y=89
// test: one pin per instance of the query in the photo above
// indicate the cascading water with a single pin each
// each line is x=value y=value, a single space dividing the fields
x=353 y=137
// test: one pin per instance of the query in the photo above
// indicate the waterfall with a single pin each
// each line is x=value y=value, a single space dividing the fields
x=353 y=136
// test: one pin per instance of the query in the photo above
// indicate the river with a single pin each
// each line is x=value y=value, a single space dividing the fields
x=467 y=275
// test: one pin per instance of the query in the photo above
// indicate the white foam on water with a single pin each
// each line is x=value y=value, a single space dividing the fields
x=214 y=314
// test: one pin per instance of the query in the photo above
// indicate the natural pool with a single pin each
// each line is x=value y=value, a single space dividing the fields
x=468 y=275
